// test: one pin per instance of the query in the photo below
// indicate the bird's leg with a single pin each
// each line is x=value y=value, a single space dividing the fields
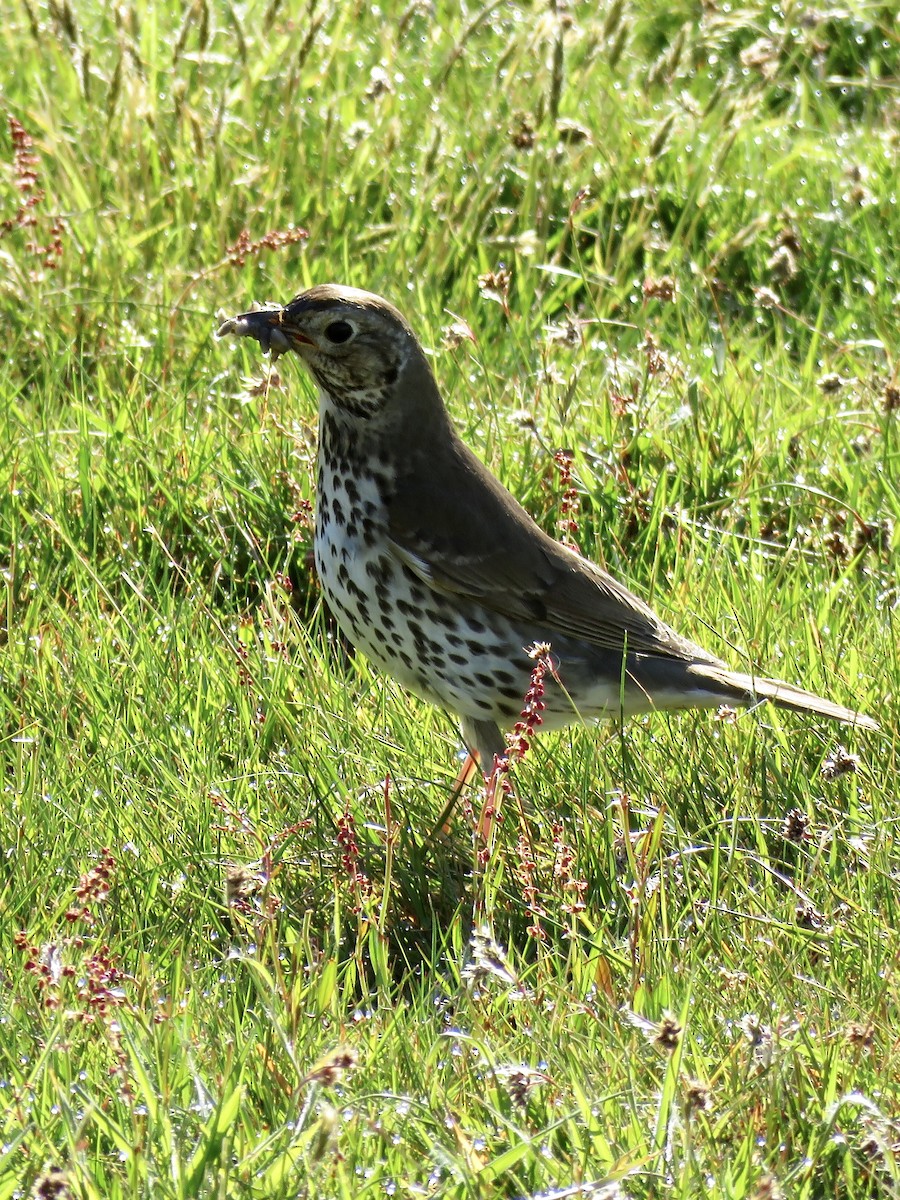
x=461 y=782
x=484 y=744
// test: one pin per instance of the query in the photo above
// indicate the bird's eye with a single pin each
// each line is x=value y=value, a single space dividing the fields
x=339 y=331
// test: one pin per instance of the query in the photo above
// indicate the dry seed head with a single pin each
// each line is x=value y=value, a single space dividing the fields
x=832 y=383
x=782 y=264
x=875 y=1148
x=522 y=133
x=617 y=47
x=757 y=1034
x=664 y=1034
x=488 y=959
x=494 y=285
x=664 y=288
x=808 y=917
x=332 y=1067
x=761 y=56
x=570 y=133
x=668 y=1036
x=380 y=83
x=613 y=19
x=767 y=1188
x=787 y=235
x=839 y=762
x=275 y=239
x=860 y=1037
x=836 y=545
x=765 y=297
x=457 y=332
x=859 y=196
x=520 y=1082
x=242 y=882
x=796 y=826
x=875 y=535
x=697 y=1096
x=660 y=138
x=568 y=332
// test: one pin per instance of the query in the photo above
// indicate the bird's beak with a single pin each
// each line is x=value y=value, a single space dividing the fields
x=269 y=327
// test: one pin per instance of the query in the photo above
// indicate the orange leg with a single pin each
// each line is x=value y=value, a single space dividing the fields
x=462 y=781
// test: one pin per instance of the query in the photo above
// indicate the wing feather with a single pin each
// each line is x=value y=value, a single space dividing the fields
x=463 y=534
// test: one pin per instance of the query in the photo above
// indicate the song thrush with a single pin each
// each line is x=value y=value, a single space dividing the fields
x=435 y=571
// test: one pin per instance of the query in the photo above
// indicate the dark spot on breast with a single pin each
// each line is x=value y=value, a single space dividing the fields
x=378 y=569
x=337 y=603
x=354 y=589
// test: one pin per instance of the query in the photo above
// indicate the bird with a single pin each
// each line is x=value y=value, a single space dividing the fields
x=435 y=571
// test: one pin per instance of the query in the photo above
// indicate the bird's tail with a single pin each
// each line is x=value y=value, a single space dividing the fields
x=746 y=688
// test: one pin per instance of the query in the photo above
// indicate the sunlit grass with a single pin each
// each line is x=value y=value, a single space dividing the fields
x=238 y=958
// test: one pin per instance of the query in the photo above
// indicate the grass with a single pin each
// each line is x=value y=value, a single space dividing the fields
x=235 y=957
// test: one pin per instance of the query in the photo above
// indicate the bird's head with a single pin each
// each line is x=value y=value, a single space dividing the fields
x=357 y=346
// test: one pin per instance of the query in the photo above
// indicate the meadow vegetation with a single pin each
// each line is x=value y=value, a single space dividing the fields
x=653 y=251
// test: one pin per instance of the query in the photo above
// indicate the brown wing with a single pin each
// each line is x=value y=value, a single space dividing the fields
x=457 y=528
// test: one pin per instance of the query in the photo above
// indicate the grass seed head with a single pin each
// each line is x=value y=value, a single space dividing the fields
x=668 y=1035
x=839 y=762
x=664 y=288
x=796 y=826
x=332 y=1067
x=767 y=1188
x=697 y=1096
x=860 y=1037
